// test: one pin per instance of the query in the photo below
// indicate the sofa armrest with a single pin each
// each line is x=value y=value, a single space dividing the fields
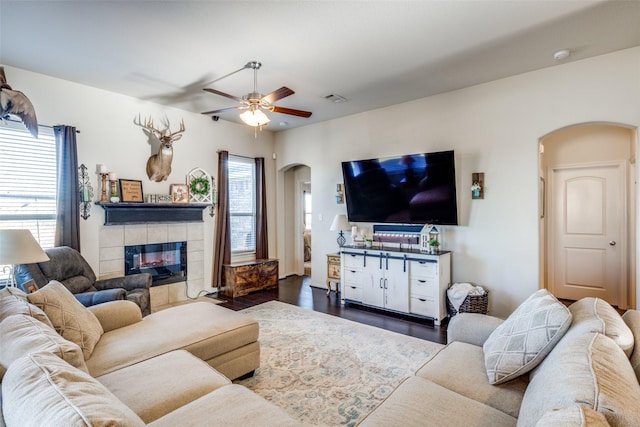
x=471 y=328
x=98 y=297
x=134 y=281
x=116 y=314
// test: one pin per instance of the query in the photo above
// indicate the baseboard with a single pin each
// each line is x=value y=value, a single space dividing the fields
x=210 y=290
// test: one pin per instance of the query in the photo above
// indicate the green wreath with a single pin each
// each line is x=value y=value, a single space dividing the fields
x=200 y=186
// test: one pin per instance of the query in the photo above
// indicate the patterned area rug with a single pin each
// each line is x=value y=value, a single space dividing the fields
x=325 y=370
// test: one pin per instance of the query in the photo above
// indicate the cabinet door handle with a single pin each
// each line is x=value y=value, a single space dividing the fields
x=422 y=281
x=385 y=283
x=423 y=300
x=381 y=279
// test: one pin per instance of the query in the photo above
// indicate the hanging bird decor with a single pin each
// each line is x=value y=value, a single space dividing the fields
x=16 y=103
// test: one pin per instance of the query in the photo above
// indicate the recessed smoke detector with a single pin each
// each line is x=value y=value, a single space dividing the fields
x=561 y=54
x=335 y=98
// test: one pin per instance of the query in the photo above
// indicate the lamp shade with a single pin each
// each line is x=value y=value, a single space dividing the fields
x=19 y=247
x=340 y=223
x=254 y=117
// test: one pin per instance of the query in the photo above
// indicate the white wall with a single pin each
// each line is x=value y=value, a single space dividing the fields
x=109 y=136
x=494 y=128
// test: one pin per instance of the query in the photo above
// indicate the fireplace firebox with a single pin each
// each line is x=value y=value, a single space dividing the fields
x=166 y=262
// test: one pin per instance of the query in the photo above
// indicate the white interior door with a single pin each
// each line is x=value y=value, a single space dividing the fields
x=588 y=238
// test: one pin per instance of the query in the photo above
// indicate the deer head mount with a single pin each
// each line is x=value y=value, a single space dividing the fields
x=159 y=164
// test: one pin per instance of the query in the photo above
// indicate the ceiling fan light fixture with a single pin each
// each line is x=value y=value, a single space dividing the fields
x=254 y=117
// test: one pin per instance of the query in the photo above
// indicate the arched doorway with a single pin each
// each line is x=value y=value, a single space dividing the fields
x=587 y=213
x=294 y=225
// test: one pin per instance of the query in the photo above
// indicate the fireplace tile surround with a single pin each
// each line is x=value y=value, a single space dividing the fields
x=113 y=239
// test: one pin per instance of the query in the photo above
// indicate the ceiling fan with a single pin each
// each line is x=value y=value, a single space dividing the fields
x=254 y=103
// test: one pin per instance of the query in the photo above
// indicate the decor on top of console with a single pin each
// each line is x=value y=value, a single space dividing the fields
x=430 y=239
x=159 y=164
x=340 y=224
x=179 y=193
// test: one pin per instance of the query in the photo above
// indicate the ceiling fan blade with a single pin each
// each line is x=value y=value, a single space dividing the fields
x=278 y=94
x=290 y=111
x=222 y=110
x=226 y=95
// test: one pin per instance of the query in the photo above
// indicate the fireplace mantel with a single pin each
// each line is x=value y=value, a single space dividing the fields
x=149 y=213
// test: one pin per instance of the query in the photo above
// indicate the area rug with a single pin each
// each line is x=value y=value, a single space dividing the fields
x=325 y=370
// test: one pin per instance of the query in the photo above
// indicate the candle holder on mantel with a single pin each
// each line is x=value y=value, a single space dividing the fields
x=102 y=171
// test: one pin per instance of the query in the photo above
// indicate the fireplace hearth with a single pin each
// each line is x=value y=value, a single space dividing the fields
x=166 y=262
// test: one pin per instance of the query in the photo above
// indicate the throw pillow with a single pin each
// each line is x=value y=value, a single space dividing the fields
x=632 y=319
x=9 y=291
x=11 y=305
x=42 y=389
x=23 y=334
x=522 y=341
x=69 y=318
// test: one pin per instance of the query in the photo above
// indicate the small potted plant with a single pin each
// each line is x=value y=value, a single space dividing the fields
x=368 y=242
x=434 y=245
x=475 y=189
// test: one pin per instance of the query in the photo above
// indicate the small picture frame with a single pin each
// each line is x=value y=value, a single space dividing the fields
x=30 y=286
x=131 y=191
x=179 y=193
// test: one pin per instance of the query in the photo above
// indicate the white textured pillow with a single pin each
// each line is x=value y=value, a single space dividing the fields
x=70 y=319
x=15 y=304
x=22 y=334
x=42 y=389
x=522 y=341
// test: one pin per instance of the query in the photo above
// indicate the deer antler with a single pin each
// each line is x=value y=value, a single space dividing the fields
x=174 y=136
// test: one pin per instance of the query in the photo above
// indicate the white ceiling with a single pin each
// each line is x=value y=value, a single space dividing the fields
x=374 y=53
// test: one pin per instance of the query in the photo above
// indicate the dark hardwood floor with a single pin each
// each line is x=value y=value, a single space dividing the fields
x=296 y=290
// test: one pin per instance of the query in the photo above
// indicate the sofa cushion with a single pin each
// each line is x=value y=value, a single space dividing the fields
x=42 y=387
x=169 y=381
x=11 y=305
x=573 y=416
x=632 y=319
x=596 y=315
x=231 y=405
x=9 y=291
x=459 y=364
x=203 y=329
x=522 y=341
x=69 y=318
x=590 y=369
x=419 y=402
x=21 y=335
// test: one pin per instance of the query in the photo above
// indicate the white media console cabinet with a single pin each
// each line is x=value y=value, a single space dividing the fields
x=400 y=280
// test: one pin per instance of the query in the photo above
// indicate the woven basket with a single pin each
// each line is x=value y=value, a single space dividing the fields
x=471 y=304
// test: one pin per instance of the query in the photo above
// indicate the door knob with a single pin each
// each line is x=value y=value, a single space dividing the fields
x=612 y=243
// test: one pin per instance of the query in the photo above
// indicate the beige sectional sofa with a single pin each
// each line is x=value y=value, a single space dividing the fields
x=589 y=377
x=64 y=364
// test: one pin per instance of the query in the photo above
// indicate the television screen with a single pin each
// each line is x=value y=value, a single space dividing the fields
x=410 y=189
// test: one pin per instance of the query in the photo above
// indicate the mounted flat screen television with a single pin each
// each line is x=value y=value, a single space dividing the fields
x=410 y=189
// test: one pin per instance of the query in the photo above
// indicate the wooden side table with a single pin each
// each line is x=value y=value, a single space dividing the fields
x=333 y=272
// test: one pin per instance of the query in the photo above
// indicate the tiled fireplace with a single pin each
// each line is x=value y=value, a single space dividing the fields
x=114 y=238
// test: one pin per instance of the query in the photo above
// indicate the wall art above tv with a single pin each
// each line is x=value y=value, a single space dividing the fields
x=409 y=189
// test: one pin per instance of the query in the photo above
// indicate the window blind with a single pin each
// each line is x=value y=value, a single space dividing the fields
x=242 y=204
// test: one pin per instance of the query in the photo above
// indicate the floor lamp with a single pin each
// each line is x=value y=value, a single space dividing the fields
x=19 y=247
x=341 y=224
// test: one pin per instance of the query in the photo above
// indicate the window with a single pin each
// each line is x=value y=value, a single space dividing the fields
x=307 y=210
x=28 y=183
x=242 y=204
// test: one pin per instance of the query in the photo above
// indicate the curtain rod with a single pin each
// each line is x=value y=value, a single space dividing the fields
x=236 y=155
x=44 y=126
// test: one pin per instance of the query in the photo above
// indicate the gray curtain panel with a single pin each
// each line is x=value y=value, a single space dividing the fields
x=262 y=246
x=68 y=199
x=222 y=242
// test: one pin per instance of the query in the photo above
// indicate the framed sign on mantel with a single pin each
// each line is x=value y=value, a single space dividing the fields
x=131 y=191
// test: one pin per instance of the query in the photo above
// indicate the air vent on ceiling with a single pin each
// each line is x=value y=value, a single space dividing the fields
x=336 y=99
